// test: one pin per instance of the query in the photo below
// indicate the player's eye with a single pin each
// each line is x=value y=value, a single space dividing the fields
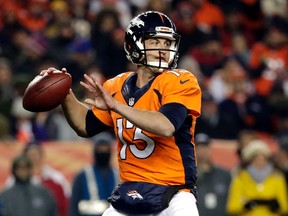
x=167 y=43
x=154 y=42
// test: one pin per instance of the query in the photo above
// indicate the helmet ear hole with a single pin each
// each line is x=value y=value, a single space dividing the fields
x=133 y=53
x=136 y=55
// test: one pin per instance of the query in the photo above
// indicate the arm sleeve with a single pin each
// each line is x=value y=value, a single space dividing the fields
x=94 y=125
x=176 y=113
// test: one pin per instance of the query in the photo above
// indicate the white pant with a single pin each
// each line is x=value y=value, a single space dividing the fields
x=182 y=204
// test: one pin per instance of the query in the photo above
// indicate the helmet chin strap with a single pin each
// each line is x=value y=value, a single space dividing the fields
x=158 y=64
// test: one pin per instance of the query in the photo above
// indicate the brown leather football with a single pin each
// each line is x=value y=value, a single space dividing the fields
x=46 y=92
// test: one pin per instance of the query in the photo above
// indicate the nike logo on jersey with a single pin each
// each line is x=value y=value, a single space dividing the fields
x=184 y=81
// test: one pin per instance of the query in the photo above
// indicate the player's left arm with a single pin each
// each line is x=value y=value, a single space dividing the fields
x=163 y=122
x=151 y=121
x=181 y=96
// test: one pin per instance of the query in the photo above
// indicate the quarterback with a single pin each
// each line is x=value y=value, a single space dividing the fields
x=153 y=112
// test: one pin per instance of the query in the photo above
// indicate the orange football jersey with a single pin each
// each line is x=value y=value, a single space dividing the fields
x=146 y=157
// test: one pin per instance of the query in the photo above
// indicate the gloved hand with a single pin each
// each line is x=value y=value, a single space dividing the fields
x=249 y=205
x=273 y=205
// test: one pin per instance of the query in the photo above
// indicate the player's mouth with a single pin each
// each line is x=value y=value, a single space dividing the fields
x=162 y=59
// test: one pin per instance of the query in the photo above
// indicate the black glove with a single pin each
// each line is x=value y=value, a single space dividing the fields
x=250 y=204
x=273 y=205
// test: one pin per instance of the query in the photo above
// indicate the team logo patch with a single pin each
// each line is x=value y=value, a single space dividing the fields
x=134 y=194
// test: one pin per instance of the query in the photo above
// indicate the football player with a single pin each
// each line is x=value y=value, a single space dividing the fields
x=153 y=112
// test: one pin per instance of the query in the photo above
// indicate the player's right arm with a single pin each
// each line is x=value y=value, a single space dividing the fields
x=79 y=116
x=75 y=113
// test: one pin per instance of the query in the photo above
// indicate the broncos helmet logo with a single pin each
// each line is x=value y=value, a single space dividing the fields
x=136 y=22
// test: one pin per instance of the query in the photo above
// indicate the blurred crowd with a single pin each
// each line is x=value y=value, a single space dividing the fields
x=256 y=186
x=237 y=49
x=35 y=188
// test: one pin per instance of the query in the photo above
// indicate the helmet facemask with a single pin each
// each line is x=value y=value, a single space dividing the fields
x=161 y=64
x=135 y=46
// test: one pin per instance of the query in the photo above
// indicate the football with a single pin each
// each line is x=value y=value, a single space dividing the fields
x=46 y=92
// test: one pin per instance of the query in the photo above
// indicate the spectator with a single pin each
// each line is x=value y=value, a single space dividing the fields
x=158 y=5
x=230 y=105
x=94 y=184
x=47 y=176
x=281 y=157
x=242 y=108
x=225 y=6
x=212 y=182
x=209 y=53
x=10 y=25
x=21 y=122
x=59 y=14
x=6 y=87
x=17 y=8
x=191 y=35
x=229 y=80
x=234 y=26
x=240 y=50
x=269 y=58
x=258 y=188
x=121 y=7
x=252 y=17
x=81 y=20
x=35 y=19
x=107 y=38
x=4 y=128
x=278 y=102
x=25 y=51
x=210 y=121
x=67 y=50
x=79 y=9
x=25 y=198
x=272 y=8
x=208 y=14
x=58 y=128
x=95 y=71
x=81 y=56
x=244 y=138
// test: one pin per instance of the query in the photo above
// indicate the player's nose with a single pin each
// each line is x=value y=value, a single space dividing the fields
x=162 y=53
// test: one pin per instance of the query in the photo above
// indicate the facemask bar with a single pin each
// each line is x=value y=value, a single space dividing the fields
x=173 y=54
x=160 y=63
